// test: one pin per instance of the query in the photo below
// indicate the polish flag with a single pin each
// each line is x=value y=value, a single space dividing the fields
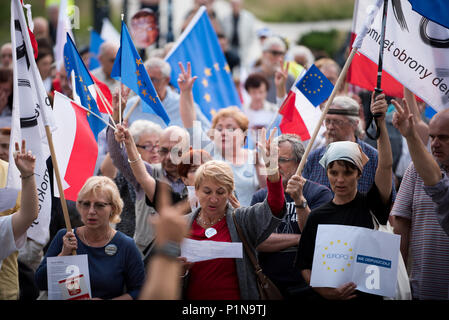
x=301 y=109
x=75 y=145
x=363 y=71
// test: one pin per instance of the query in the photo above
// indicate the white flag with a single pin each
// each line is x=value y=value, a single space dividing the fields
x=31 y=113
x=416 y=50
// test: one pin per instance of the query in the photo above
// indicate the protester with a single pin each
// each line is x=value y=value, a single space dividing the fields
x=273 y=52
x=344 y=162
x=277 y=254
x=6 y=94
x=229 y=279
x=302 y=55
x=44 y=62
x=165 y=170
x=106 y=57
x=239 y=28
x=115 y=267
x=6 y=55
x=424 y=243
x=5 y=136
x=159 y=72
x=342 y=124
x=15 y=221
x=225 y=141
x=435 y=179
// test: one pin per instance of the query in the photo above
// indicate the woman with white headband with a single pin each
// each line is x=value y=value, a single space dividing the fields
x=344 y=162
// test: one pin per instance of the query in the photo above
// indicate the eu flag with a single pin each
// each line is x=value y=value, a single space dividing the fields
x=214 y=88
x=315 y=86
x=129 y=69
x=435 y=10
x=83 y=80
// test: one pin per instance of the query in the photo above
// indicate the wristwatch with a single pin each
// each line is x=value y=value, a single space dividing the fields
x=169 y=249
x=303 y=205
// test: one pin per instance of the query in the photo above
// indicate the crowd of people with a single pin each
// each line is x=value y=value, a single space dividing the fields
x=155 y=185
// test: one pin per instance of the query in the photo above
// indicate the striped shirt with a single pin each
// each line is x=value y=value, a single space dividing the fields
x=428 y=244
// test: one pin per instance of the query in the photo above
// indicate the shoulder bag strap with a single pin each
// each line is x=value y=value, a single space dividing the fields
x=245 y=244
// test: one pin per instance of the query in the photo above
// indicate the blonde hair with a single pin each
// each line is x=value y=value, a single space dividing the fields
x=218 y=171
x=232 y=112
x=96 y=184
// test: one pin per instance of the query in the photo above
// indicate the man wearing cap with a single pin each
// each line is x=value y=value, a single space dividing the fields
x=343 y=124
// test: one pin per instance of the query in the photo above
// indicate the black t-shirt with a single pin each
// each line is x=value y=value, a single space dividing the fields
x=354 y=213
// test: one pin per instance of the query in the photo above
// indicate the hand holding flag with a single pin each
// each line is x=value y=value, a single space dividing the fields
x=130 y=70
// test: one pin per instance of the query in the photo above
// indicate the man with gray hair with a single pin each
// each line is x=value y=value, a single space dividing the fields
x=278 y=252
x=273 y=53
x=159 y=72
x=106 y=56
x=342 y=123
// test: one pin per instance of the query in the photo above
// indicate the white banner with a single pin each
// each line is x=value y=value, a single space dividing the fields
x=416 y=50
x=367 y=257
x=31 y=112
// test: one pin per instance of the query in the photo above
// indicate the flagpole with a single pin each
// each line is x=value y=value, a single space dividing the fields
x=97 y=116
x=329 y=101
x=105 y=102
x=122 y=16
x=65 y=210
x=133 y=107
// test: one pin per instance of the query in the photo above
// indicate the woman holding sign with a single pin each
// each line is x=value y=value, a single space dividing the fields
x=344 y=161
x=116 y=268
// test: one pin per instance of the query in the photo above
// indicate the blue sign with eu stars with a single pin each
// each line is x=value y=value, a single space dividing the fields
x=315 y=86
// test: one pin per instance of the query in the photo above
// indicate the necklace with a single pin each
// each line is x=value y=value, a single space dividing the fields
x=208 y=224
x=109 y=237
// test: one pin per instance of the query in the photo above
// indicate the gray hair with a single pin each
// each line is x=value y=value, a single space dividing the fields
x=273 y=41
x=156 y=62
x=295 y=141
x=106 y=47
x=349 y=104
x=142 y=126
x=303 y=51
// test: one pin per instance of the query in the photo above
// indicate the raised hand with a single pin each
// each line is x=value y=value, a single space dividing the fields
x=25 y=161
x=115 y=102
x=379 y=105
x=122 y=134
x=268 y=150
x=185 y=79
x=280 y=79
x=295 y=187
x=402 y=118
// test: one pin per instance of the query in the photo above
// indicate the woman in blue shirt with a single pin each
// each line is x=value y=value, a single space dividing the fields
x=115 y=265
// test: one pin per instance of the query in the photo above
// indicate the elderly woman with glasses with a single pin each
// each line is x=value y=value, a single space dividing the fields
x=225 y=140
x=344 y=163
x=116 y=268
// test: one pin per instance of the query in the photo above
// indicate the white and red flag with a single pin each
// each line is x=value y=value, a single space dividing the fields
x=301 y=111
x=30 y=115
x=416 y=54
x=75 y=145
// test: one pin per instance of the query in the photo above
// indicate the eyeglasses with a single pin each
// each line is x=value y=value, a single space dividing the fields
x=98 y=206
x=335 y=122
x=149 y=147
x=283 y=160
x=276 y=53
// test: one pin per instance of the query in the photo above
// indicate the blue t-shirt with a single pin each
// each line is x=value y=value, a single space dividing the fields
x=110 y=275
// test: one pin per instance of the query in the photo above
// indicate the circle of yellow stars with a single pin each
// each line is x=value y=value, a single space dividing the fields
x=333 y=244
x=312 y=75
